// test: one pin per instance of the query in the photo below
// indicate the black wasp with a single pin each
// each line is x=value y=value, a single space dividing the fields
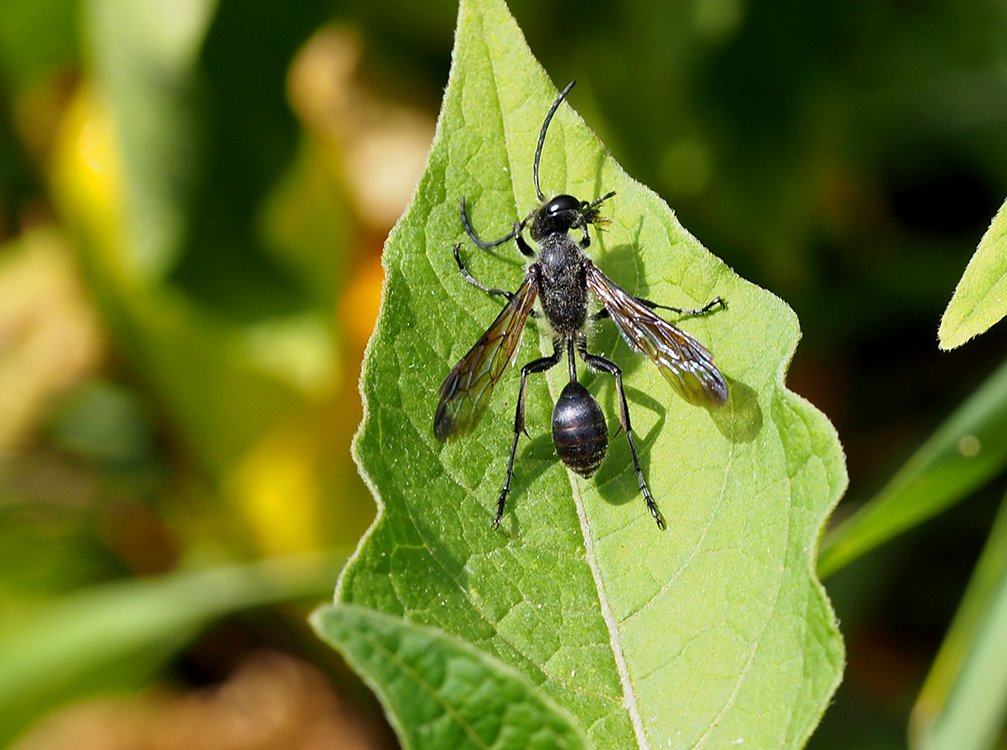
x=560 y=276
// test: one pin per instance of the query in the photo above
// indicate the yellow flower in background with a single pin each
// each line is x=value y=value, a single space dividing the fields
x=275 y=488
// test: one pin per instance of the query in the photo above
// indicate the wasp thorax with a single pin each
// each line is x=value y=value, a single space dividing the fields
x=579 y=430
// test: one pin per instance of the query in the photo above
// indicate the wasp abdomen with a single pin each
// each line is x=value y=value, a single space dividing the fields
x=579 y=430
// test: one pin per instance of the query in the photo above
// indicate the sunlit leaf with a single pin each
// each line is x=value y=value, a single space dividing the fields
x=713 y=633
x=980 y=299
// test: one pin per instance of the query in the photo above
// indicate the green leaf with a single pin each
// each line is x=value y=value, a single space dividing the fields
x=964 y=700
x=980 y=300
x=965 y=452
x=711 y=634
x=440 y=686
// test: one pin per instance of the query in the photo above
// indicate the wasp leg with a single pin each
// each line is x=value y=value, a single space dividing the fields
x=603 y=313
x=489 y=245
x=581 y=223
x=490 y=290
x=604 y=365
x=536 y=365
x=523 y=246
x=708 y=307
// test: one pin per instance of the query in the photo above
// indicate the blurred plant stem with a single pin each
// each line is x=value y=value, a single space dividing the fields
x=62 y=648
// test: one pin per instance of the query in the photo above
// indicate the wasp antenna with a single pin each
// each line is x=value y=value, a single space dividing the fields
x=605 y=197
x=545 y=127
x=591 y=213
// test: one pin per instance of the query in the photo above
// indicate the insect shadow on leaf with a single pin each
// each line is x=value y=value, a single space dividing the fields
x=561 y=278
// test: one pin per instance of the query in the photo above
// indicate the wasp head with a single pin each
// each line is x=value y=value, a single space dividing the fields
x=563 y=213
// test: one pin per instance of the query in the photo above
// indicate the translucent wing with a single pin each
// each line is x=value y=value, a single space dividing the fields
x=467 y=388
x=684 y=362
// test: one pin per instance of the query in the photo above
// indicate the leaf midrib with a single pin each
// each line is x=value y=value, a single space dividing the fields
x=625 y=681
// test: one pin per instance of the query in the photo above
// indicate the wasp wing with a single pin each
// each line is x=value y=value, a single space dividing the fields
x=467 y=388
x=684 y=362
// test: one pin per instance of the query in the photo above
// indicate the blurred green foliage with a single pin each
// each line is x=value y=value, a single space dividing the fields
x=187 y=271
